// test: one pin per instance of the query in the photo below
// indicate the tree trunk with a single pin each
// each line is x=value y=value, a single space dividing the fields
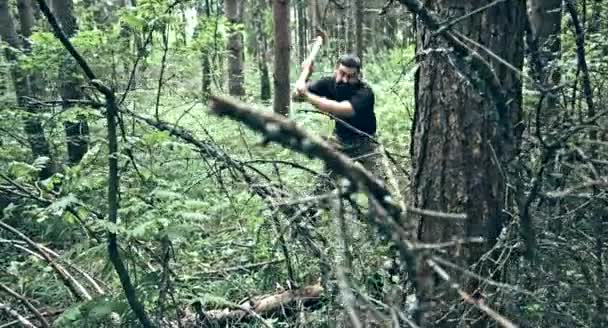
x=204 y=11
x=390 y=28
x=456 y=134
x=302 y=29
x=314 y=16
x=77 y=132
x=234 y=14
x=262 y=49
x=359 y=28
x=545 y=24
x=23 y=88
x=280 y=12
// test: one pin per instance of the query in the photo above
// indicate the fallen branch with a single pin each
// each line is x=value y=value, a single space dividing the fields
x=27 y=304
x=285 y=132
x=56 y=256
x=266 y=305
x=73 y=285
x=241 y=267
x=24 y=322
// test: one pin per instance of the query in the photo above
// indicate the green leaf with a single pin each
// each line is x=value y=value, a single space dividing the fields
x=60 y=205
x=20 y=169
x=155 y=137
x=193 y=216
x=167 y=194
x=175 y=232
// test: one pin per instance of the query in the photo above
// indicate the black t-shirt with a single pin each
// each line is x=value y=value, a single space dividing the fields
x=361 y=98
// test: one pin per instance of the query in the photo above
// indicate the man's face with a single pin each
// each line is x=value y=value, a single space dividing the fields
x=345 y=74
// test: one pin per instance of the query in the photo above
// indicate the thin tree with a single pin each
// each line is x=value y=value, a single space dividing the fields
x=25 y=85
x=359 y=28
x=545 y=28
x=280 y=12
x=261 y=49
x=76 y=131
x=234 y=14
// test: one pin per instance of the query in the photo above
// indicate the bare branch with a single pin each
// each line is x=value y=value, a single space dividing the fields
x=73 y=285
x=27 y=303
x=26 y=323
x=469 y=299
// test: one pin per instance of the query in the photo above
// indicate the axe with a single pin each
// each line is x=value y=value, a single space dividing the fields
x=306 y=65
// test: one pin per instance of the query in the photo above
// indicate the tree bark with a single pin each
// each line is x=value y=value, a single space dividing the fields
x=262 y=49
x=359 y=28
x=280 y=11
x=459 y=155
x=76 y=131
x=234 y=14
x=25 y=85
x=302 y=29
x=545 y=24
x=314 y=16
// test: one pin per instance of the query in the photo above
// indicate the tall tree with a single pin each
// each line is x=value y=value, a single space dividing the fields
x=234 y=14
x=203 y=12
x=280 y=12
x=261 y=48
x=359 y=28
x=461 y=139
x=545 y=26
x=302 y=29
x=313 y=13
x=25 y=85
x=76 y=131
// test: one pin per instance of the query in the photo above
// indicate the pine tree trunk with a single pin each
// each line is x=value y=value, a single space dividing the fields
x=76 y=131
x=204 y=13
x=545 y=23
x=21 y=81
x=359 y=28
x=234 y=14
x=280 y=11
x=302 y=29
x=314 y=17
x=262 y=49
x=456 y=135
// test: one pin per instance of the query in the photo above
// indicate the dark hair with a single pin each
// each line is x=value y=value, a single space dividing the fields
x=351 y=61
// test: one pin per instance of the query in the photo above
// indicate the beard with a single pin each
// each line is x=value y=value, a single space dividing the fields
x=345 y=90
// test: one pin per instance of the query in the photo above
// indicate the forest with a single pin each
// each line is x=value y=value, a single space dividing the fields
x=303 y=163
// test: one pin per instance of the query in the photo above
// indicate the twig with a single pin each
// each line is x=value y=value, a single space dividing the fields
x=603 y=183
x=27 y=303
x=26 y=323
x=448 y=25
x=580 y=52
x=241 y=267
x=73 y=285
x=468 y=298
x=453 y=243
x=163 y=66
x=437 y=214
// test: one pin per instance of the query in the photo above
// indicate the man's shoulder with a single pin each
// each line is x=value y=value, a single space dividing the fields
x=366 y=89
x=366 y=86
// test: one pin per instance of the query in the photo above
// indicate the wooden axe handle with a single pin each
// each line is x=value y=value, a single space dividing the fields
x=311 y=57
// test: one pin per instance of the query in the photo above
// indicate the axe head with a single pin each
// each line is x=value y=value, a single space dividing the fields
x=321 y=34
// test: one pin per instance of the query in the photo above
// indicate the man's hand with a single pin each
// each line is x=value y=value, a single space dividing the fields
x=301 y=89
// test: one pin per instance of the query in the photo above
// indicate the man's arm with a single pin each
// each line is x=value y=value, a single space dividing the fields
x=342 y=108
